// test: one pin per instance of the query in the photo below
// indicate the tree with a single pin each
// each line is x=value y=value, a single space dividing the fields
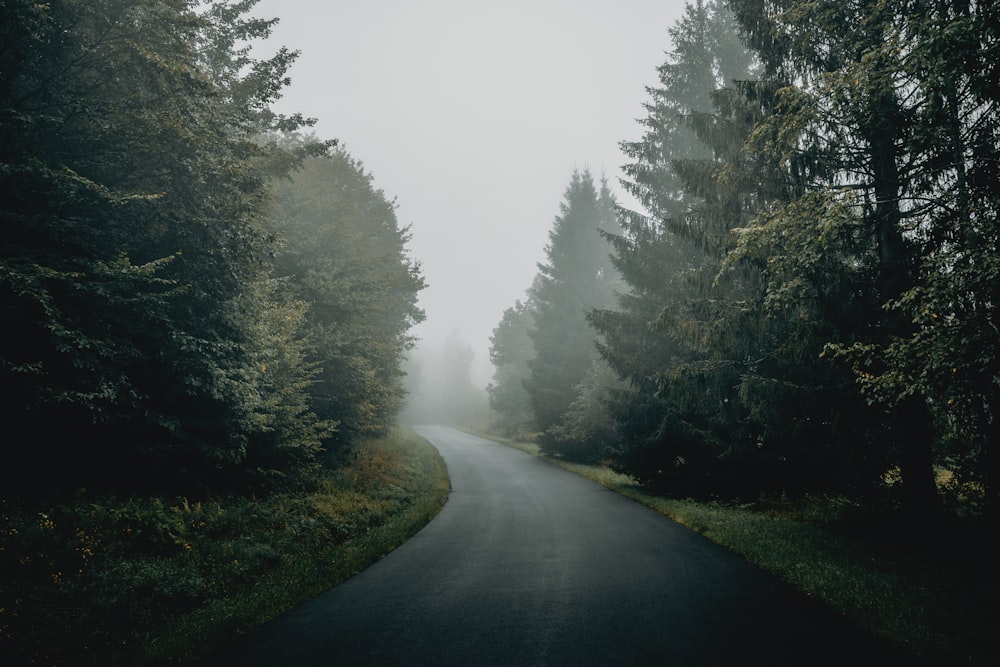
x=511 y=350
x=288 y=439
x=897 y=102
x=944 y=67
x=132 y=187
x=588 y=431
x=577 y=277
x=673 y=336
x=344 y=254
x=856 y=107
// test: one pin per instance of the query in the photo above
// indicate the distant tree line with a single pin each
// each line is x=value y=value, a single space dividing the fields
x=194 y=294
x=812 y=282
x=440 y=386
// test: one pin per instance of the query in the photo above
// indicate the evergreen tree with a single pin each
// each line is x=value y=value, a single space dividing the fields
x=131 y=186
x=344 y=255
x=897 y=102
x=855 y=109
x=673 y=334
x=588 y=432
x=742 y=399
x=577 y=277
x=511 y=350
x=953 y=356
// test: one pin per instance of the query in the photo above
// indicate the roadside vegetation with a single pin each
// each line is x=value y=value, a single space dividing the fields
x=206 y=312
x=799 y=361
x=801 y=293
x=934 y=595
x=157 y=581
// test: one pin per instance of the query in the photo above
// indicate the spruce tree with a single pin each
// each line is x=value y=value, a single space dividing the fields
x=668 y=336
x=576 y=278
x=843 y=71
x=131 y=190
x=344 y=254
x=511 y=350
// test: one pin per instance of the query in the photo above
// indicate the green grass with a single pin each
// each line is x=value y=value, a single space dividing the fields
x=935 y=594
x=155 y=581
x=103 y=581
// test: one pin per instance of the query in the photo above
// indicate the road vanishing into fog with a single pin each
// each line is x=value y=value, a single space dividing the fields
x=528 y=564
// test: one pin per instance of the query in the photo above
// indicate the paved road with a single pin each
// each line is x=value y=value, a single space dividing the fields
x=530 y=565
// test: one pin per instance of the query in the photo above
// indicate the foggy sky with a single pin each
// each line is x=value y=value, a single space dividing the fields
x=472 y=115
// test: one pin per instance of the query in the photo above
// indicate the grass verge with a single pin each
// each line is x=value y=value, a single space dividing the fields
x=934 y=594
x=155 y=581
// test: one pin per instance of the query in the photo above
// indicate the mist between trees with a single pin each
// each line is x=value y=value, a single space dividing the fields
x=805 y=298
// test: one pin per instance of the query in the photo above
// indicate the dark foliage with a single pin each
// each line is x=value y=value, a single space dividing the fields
x=146 y=346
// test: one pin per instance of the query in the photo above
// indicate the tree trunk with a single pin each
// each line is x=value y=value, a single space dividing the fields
x=910 y=421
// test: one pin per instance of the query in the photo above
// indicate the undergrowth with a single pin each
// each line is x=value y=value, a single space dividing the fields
x=157 y=581
x=933 y=592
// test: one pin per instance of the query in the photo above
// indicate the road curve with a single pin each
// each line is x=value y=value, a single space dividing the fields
x=528 y=564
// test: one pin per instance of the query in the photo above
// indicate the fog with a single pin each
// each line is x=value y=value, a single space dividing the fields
x=473 y=115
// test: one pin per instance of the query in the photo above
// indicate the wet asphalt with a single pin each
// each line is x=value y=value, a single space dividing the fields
x=528 y=564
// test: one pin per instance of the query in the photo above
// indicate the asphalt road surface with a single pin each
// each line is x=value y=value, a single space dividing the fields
x=528 y=564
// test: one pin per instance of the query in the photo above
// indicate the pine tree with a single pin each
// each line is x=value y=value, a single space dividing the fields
x=344 y=254
x=576 y=278
x=131 y=188
x=942 y=56
x=511 y=350
x=843 y=70
x=671 y=336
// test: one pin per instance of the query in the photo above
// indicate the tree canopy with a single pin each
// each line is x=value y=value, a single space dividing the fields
x=344 y=254
x=808 y=291
x=150 y=341
x=543 y=348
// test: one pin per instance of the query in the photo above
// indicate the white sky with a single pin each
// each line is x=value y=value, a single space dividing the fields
x=472 y=114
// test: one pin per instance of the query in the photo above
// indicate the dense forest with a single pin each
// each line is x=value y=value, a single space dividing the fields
x=197 y=293
x=207 y=309
x=806 y=291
